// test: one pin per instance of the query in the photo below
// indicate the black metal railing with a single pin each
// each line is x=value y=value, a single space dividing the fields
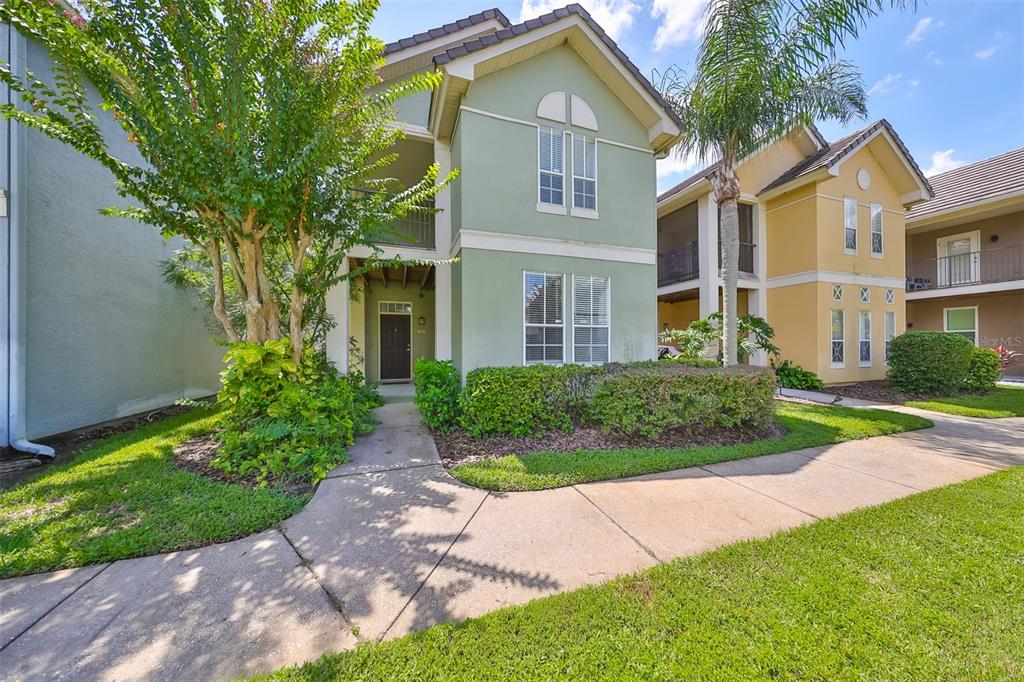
x=416 y=228
x=977 y=267
x=746 y=258
x=678 y=265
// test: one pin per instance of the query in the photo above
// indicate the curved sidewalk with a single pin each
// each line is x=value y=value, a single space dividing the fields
x=390 y=543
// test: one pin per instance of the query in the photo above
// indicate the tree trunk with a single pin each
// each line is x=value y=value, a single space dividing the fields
x=727 y=191
x=213 y=252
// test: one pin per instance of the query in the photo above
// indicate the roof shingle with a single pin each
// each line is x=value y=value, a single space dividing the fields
x=999 y=176
x=448 y=29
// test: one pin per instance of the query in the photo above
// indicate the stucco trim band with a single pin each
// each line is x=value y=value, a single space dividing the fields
x=497 y=241
x=966 y=290
x=834 y=278
x=510 y=119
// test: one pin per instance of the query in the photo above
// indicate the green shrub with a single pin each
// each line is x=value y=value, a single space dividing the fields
x=984 y=370
x=929 y=362
x=521 y=401
x=648 y=400
x=790 y=375
x=690 y=361
x=283 y=418
x=437 y=393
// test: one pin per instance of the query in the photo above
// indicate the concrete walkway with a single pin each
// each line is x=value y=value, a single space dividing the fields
x=390 y=543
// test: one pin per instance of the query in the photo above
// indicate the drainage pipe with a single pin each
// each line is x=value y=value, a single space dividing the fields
x=17 y=293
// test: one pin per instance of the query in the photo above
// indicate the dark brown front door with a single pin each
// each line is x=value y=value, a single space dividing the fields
x=395 y=337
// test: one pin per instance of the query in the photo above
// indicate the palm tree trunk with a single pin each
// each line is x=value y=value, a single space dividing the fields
x=727 y=191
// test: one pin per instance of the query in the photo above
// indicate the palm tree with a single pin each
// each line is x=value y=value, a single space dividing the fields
x=762 y=68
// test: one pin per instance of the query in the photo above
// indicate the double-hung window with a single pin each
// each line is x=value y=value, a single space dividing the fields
x=962 y=321
x=838 y=349
x=890 y=331
x=591 y=304
x=864 y=339
x=543 y=318
x=584 y=172
x=550 y=166
x=849 y=225
x=876 y=230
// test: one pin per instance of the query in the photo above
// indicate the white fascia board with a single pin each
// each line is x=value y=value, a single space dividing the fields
x=833 y=277
x=432 y=47
x=966 y=290
x=925 y=194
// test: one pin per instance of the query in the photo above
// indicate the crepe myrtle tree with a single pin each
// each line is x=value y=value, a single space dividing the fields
x=762 y=68
x=255 y=121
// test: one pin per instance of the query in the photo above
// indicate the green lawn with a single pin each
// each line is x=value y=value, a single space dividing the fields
x=924 y=588
x=123 y=497
x=808 y=426
x=1005 y=401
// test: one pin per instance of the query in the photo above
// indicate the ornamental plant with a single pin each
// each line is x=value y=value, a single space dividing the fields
x=929 y=362
x=254 y=122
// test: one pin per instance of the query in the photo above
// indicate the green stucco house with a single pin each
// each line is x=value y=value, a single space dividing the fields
x=552 y=219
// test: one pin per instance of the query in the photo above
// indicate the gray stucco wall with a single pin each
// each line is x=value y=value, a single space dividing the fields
x=106 y=337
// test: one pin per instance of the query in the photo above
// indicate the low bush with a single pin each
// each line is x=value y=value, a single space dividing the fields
x=437 y=393
x=288 y=419
x=790 y=375
x=649 y=400
x=521 y=401
x=984 y=371
x=929 y=362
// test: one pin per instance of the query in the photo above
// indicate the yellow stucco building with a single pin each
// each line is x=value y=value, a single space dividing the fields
x=822 y=247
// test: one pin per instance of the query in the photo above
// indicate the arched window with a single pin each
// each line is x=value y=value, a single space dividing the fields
x=551 y=160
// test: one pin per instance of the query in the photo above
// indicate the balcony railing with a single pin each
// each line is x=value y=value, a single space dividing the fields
x=678 y=265
x=746 y=258
x=977 y=267
x=415 y=229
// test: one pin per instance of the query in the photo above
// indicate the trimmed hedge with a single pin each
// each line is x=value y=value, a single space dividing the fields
x=929 y=362
x=984 y=371
x=438 y=387
x=649 y=400
x=636 y=398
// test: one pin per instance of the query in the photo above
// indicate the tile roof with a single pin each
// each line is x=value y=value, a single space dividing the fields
x=995 y=177
x=838 y=150
x=488 y=40
x=447 y=29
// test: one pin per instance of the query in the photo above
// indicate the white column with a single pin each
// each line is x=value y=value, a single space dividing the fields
x=707 y=252
x=443 y=273
x=757 y=299
x=337 y=302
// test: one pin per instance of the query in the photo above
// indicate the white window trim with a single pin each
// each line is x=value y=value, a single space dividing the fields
x=543 y=206
x=861 y=339
x=977 y=321
x=881 y=232
x=832 y=340
x=856 y=236
x=380 y=344
x=841 y=289
x=577 y=211
x=591 y=326
x=864 y=294
x=522 y=306
x=886 y=339
x=890 y=297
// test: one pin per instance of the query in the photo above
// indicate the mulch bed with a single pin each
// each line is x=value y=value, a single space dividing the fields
x=878 y=391
x=195 y=456
x=459 y=447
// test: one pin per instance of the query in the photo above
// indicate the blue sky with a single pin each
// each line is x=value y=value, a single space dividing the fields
x=949 y=77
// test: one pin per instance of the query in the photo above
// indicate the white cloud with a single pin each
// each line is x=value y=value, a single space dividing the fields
x=885 y=85
x=917 y=35
x=679 y=21
x=943 y=161
x=614 y=16
x=673 y=163
x=987 y=52
x=933 y=58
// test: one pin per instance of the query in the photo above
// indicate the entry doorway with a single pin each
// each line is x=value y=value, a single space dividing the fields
x=395 y=342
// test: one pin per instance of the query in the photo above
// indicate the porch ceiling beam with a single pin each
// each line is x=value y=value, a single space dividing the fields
x=405 y=274
x=384 y=276
x=426 y=276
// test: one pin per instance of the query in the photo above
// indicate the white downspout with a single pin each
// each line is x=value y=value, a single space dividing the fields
x=16 y=289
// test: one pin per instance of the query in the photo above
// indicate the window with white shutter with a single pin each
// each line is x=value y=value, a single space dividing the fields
x=550 y=164
x=543 y=318
x=876 y=230
x=584 y=172
x=849 y=225
x=591 y=318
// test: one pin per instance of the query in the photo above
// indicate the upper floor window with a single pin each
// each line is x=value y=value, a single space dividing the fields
x=849 y=225
x=584 y=172
x=551 y=166
x=876 y=229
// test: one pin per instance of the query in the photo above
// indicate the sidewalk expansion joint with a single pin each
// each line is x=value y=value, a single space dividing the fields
x=762 y=494
x=865 y=473
x=434 y=567
x=335 y=603
x=645 y=548
x=384 y=471
x=55 y=606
